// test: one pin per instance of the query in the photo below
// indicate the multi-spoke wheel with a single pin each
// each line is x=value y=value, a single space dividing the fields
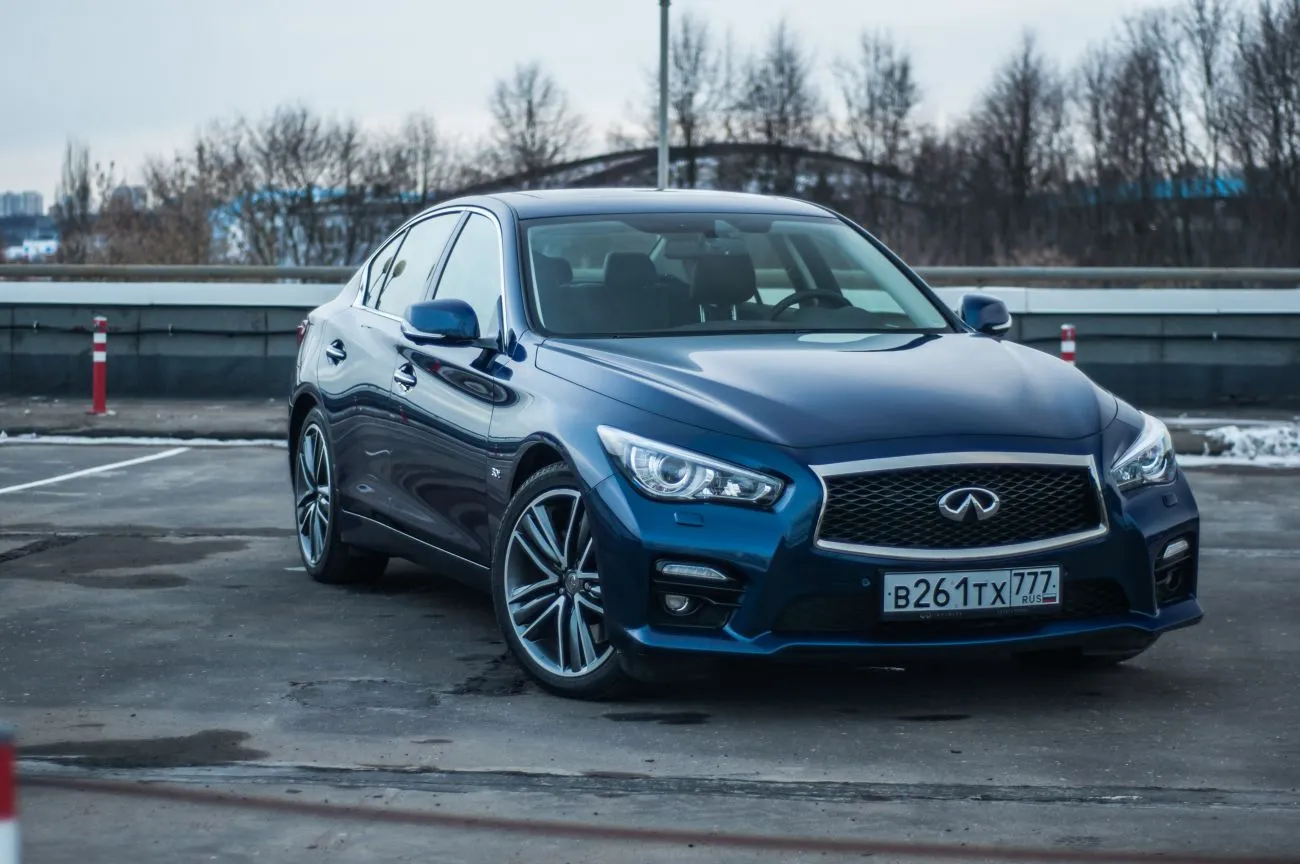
x=312 y=488
x=546 y=586
x=324 y=554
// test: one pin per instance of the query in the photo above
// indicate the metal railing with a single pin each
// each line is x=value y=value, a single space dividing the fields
x=1005 y=276
x=175 y=273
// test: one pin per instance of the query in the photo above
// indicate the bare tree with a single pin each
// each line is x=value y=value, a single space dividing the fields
x=880 y=95
x=75 y=204
x=1206 y=26
x=534 y=125
x=779 y=105
x=697 y=78
x=1265 y=124
x=1020 y=126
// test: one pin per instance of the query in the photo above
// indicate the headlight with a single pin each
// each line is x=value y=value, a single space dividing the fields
x=671 y=474
x=1150 y=458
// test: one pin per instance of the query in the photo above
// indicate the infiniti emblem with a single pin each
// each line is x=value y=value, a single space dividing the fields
x=969 y=504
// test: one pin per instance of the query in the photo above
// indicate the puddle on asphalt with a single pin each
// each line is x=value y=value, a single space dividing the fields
x=98 y=561
x=502 y=676
x=208 y=748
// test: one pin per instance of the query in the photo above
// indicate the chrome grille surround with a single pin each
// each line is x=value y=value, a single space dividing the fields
x=992 y=459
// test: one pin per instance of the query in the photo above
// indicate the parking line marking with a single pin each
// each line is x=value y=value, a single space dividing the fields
x=175 y=451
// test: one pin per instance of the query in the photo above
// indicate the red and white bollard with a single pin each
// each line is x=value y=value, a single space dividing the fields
x=1067 y=343
x=99 y=358
x=8 y=799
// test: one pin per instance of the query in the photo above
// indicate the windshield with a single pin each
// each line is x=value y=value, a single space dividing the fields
x=697 y=273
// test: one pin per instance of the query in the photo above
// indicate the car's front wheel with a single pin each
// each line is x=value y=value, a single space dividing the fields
x=325 y=556
x=547 y=593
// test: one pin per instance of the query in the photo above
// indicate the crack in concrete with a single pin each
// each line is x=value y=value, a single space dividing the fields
x=620 y=784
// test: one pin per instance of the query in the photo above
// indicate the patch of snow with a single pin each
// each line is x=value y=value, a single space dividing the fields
x=1185 y=422
x=1276 y=446
x=1257 y=462
x=140 y=441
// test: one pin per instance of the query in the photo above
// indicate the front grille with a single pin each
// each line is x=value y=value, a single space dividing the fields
x=858 y=614
x=900 y=508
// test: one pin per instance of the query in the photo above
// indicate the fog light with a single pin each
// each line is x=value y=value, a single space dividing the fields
x=695 y=572
x=1175 y=549
x=679 y=604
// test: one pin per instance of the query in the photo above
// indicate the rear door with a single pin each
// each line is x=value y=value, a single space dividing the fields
x=443 y=395
x=352 y=376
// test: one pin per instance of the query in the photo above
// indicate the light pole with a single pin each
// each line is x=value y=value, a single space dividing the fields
x=663 y=93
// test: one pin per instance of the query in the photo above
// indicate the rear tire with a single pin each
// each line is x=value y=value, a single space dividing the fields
x=325 y=556
x=546 y=590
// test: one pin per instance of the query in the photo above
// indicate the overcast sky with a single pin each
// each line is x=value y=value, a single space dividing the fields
x=135 y=77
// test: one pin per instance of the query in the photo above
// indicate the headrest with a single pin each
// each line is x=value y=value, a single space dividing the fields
x=629 y=271
x=552 y=271
x=724 y=280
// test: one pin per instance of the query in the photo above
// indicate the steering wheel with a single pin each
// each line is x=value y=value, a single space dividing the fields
x=800 y=296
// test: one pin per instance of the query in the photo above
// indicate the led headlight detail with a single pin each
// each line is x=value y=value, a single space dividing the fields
x=672 y=474
x=1150 y=458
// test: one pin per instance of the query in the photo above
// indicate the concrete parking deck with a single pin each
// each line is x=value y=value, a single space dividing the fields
x=155 y=624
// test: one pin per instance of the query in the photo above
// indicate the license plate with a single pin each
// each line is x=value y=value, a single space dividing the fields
x=971 y=592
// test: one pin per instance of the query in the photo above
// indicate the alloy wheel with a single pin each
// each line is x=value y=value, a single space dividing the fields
x=552 y=586
x=313 y=505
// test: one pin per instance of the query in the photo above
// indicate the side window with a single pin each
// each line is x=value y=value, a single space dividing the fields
x=414 y=263
x=473 y=271
x=379 y=267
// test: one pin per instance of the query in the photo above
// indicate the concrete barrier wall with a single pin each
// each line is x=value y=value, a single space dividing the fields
x=1170 y=348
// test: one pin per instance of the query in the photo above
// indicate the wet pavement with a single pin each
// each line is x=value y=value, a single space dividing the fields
x=155 y=625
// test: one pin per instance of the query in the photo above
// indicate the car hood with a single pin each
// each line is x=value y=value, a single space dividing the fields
x=823 y=389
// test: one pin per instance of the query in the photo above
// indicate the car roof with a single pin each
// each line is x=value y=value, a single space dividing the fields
x=538 y=203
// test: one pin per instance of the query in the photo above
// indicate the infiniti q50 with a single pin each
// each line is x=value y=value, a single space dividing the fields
x=667 y=426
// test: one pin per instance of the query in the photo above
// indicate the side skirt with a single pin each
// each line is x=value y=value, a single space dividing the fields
x=367 y=533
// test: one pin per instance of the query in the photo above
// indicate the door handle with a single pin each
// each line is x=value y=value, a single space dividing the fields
x=335 y=351
x=405 y=376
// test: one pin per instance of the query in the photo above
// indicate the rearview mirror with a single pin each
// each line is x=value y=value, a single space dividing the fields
x=441 y=320
x=986 y=314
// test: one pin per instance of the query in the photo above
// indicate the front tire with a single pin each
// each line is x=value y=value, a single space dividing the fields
x=325 y=556
x=546 y=590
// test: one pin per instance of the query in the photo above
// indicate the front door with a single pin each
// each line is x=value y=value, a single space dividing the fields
x=443 y=396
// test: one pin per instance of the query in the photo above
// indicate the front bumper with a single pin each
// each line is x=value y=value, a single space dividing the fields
x=790 y=597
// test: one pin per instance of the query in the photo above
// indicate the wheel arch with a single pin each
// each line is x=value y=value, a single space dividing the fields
x=533 y=457
x=301 y=406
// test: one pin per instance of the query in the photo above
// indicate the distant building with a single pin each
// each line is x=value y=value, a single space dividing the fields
x=21 y=204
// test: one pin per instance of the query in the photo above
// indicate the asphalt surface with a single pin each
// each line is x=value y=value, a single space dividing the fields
x=155 y=625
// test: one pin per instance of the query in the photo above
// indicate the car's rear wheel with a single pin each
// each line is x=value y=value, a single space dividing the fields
x=547 y=593
x=325 y=556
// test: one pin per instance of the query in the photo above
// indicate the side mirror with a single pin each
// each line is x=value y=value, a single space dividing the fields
x=440 y=320
x=985 y=314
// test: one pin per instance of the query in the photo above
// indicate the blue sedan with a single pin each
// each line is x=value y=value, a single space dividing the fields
x=668 y=427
